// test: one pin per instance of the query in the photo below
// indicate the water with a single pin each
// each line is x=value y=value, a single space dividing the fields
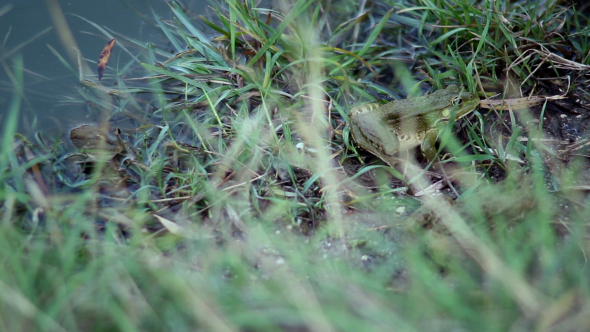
x=52 y=101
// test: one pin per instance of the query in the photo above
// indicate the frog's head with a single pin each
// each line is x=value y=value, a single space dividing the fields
x=452 y=100
x=94 y=141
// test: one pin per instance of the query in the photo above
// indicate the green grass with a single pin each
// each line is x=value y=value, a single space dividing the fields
x=236 y=214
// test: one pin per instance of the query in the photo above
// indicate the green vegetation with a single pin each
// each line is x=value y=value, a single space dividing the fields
x=241 y=204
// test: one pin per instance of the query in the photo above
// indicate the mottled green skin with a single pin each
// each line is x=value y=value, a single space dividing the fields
x=96 y=142
x=404 y=124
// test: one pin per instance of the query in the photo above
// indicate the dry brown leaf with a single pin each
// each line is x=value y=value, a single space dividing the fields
x=103 y=59
x=517 y=103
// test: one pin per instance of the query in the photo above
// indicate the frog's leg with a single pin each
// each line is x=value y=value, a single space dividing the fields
x=373 y=135
x=428 y=145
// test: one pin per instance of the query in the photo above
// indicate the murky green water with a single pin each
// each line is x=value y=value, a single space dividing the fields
x=51 y=101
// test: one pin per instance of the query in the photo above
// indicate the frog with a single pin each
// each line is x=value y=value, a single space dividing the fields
x=96 y=142
x=404 y=124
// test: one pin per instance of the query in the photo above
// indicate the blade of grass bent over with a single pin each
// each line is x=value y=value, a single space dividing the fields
x=299 y=7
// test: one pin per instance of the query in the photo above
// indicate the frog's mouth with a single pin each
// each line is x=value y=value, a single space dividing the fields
x=100 y=153
x=113 y=150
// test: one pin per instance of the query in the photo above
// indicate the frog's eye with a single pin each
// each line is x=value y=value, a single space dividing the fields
x=457 y=101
